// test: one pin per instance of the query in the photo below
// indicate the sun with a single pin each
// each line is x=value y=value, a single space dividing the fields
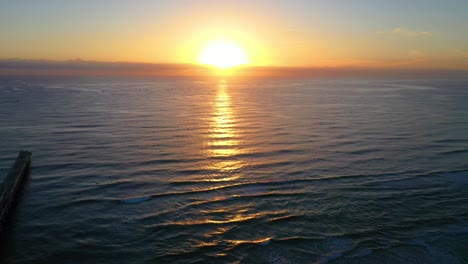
x=223 y=54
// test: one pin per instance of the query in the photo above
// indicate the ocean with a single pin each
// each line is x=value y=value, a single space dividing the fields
x=167 y=170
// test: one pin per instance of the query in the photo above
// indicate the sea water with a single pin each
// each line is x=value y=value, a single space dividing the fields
x=158 y=170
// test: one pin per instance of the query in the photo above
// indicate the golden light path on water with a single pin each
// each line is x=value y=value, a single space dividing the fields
x=223 y=142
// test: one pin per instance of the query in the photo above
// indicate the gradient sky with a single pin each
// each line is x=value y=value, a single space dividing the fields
x=375 y=33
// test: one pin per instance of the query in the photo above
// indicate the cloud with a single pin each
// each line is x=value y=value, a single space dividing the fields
x=417 y=53
x=461 y=54
x=83 y=67
x=399 y=31
x=353 y=68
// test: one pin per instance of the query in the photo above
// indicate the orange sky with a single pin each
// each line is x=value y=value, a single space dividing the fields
x=429 y=35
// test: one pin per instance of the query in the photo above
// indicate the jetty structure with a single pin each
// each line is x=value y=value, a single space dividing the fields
x=13 y=183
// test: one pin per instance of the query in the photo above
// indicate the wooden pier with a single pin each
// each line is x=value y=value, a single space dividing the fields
x=13 y=183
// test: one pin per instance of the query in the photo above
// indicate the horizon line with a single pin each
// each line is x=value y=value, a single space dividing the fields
x=78 y=66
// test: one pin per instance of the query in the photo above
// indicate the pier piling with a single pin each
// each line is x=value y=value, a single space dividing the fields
x=13 y=183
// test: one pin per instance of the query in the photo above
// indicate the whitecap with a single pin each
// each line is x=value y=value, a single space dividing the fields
x=137 y=200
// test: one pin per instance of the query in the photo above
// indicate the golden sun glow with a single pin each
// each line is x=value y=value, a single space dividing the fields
x=223 y=54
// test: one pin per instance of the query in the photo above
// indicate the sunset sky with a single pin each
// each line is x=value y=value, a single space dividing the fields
x=363 y=33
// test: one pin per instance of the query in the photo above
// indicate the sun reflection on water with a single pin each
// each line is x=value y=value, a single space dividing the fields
x=223 y=140
x=223 y=143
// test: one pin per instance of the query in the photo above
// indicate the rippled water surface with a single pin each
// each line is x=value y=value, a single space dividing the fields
x=265 y=171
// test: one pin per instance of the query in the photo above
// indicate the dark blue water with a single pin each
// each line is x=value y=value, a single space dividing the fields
x=261 y=171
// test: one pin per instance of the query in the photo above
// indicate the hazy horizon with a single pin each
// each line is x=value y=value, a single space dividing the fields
x=79 y=67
